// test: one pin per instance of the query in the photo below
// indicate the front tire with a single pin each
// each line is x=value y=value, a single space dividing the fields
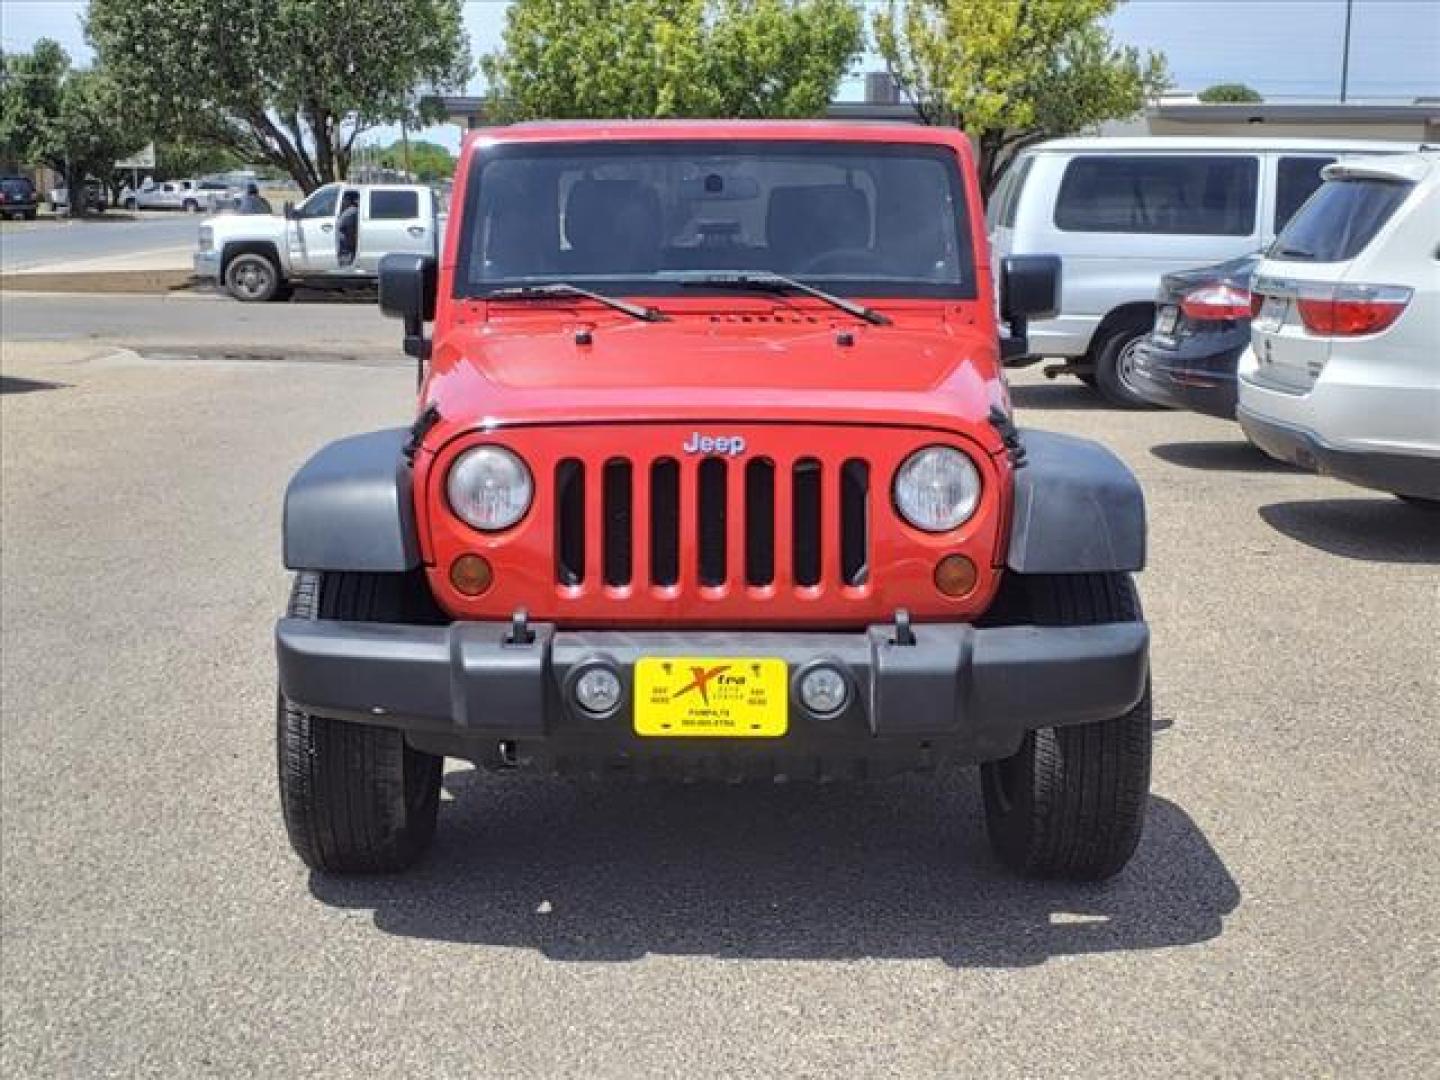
x=252 y=278
x=1115 y=364
x=1070 y=803
x=356 y=798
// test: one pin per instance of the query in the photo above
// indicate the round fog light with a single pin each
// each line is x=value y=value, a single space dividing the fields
x=955 y=575
x=598 y=690
x=471 y=575
x=824 y=691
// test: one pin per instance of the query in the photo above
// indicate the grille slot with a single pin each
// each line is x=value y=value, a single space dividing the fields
x=710 y=523
x=806 y=528
x=619 y=516
x=665 y=522
x=570 y=522
x=760 y=522
x=855 y=522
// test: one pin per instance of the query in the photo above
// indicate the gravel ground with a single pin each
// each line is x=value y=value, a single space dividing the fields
x=1279 y=920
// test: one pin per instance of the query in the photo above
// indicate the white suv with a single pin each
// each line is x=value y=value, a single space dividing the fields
x=1343 y=372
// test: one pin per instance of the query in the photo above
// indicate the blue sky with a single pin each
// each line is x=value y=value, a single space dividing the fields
x=1283 y=48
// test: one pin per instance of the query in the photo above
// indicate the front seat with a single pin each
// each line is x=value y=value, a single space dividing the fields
x=613 y=226
x=804 y=222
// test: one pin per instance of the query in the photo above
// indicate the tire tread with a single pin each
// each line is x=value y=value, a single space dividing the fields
x=1082 y=811
x=344 y=787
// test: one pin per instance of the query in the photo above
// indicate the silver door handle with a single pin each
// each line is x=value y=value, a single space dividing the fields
x=416 y=230
x=327 y=227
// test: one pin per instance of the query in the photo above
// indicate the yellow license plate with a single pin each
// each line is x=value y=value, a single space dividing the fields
x=709 y=696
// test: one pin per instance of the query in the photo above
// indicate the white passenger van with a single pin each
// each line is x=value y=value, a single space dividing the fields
x=1120 y=212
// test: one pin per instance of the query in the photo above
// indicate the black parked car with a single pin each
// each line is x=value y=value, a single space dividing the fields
x=1202 y=325
x=18 y=198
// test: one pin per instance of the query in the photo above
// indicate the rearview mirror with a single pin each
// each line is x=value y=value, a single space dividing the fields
x=1029 y=289
x=407 y=292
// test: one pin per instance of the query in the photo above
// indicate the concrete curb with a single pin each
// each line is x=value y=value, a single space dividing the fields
x=123 y=281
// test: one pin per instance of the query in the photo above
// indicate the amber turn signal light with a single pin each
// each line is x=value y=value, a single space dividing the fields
x=471 y=575
x=955 y=575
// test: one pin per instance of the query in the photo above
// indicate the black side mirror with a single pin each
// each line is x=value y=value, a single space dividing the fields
x=1029 y=289
x=407 y=292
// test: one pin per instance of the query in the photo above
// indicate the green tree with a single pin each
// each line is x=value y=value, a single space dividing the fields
x=291 y=83
x=1237 y=93
x=74 y=122
x=1013 y=72
x=427 y=160
x=647 y=58
x=175 y=159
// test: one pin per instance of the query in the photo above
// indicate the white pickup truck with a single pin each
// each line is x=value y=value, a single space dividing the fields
x=259 y=257
x=192 y=196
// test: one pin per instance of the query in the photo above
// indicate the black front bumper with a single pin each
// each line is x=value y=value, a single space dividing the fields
x=1199 y=380
x=1399 y=474
x=956 y=693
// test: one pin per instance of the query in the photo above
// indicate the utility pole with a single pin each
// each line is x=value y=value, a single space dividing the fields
x=1345 y=58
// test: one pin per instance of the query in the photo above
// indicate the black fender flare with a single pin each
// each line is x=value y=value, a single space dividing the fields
x=1078 y=509
x=351 y=507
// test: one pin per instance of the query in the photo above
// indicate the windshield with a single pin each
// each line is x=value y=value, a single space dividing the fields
x=857 y=219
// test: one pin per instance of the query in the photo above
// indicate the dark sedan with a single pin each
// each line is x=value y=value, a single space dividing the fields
x=1202 y=325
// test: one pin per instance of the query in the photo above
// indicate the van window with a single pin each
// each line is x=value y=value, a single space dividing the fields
x=394 y=205
x=1296 y=179
x=1184 y=194
x=1341 y=218
x=1005 y=199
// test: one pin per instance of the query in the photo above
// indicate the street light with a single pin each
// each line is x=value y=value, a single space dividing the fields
x=1345 y=56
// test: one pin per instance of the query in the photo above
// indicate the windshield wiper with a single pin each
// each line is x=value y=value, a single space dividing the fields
x=769 y=281
x=564 y=288
x=1295 y=253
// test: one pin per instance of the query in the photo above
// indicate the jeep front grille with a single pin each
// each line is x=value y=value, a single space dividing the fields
x=739 y=523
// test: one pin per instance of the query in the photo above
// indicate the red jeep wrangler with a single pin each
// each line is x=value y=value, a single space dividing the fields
x=714 y=475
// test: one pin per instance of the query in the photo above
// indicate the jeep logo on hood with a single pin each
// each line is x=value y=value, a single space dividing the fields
x=729 y=445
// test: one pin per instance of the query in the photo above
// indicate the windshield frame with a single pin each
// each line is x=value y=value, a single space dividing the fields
x=967 y=289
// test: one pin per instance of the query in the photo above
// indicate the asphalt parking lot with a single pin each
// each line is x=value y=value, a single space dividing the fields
x=1280 y=918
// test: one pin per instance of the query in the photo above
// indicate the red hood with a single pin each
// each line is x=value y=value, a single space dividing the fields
x=531 y=366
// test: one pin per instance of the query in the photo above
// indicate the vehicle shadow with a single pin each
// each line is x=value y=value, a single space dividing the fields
x=1235 y=456
x=11 y=384
x=893 y=870
x=1374 y=529
x=1066 y=394
x=363 y=294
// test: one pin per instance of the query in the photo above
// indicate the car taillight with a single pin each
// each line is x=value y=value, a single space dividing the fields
x=1353 y=310
x=1257 y=301
x=1212 y=303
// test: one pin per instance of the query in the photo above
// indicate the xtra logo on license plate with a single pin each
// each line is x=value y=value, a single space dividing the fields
x=698 y=696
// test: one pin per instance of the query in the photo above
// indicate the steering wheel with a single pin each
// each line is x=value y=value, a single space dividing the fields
x=841 y=260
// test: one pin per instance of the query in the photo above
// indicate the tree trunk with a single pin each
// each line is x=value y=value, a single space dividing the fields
x=75 y=193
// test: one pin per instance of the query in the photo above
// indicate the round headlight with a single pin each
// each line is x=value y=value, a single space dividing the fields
x=489 y=488
x=937 y=489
